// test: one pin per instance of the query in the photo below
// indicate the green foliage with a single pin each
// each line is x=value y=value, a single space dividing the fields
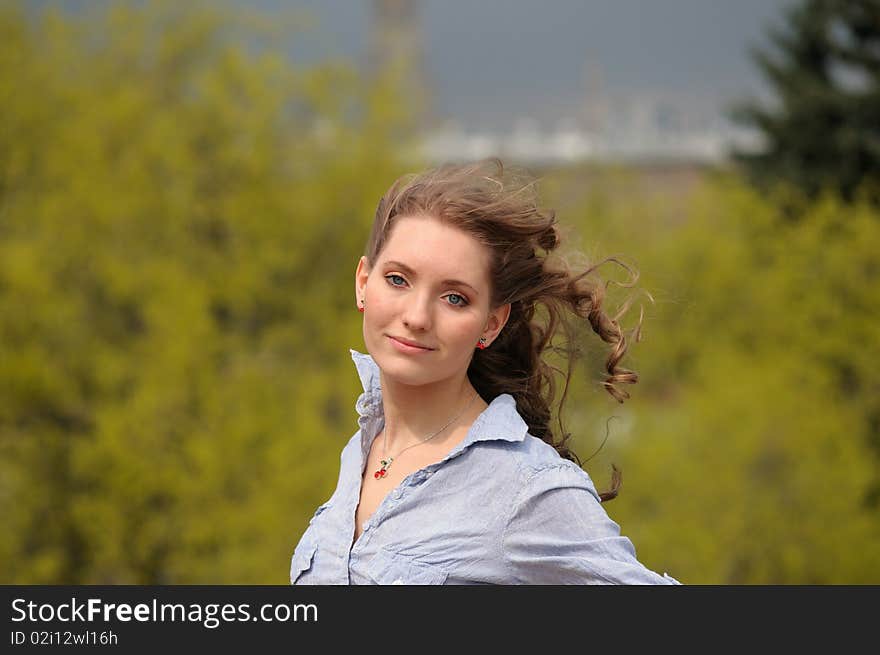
x=175 y=203
x=750 y=447
x=824 y=129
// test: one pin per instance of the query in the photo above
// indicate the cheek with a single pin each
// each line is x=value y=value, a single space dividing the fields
x=463 y=329
x=380 y=300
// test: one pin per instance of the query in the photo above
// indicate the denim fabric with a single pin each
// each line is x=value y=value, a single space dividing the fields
x=501 y=508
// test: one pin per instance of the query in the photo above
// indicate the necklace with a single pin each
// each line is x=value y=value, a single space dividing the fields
x=386 y=463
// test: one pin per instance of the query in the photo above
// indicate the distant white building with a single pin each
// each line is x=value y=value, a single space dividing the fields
x=656 y=126
x=642 y=130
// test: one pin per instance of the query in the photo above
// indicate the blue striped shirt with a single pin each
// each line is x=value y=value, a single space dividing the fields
x=501 y=508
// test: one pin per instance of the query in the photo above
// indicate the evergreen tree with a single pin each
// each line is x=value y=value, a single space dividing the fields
x=823 y=131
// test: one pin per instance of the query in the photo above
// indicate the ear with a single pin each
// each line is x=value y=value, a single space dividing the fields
x=360 y=280
x=495 y=322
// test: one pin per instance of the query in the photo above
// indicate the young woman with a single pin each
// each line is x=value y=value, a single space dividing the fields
x=454 y=476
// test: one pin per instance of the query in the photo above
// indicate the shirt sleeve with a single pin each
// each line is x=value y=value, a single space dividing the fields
x=559 y=533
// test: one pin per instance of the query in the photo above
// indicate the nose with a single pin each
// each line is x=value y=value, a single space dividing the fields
x=417 y=312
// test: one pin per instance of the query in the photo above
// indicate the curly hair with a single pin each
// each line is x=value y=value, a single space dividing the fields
x=499 y=208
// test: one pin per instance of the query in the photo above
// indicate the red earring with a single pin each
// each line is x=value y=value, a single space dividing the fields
x=482 y=344
x=361 y=309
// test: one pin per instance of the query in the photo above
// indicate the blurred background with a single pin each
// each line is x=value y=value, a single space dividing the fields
x=185 y=189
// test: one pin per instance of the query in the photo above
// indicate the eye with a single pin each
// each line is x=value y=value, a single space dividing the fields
x=456 y=299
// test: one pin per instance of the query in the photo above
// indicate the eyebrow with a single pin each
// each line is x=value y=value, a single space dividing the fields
x=406 y=269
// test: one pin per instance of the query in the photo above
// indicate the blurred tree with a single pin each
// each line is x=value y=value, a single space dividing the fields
x=749 y=447
x=782 y=398
x=824 y=129
x=177 y=206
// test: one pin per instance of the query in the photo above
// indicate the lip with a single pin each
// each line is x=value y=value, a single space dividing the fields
x=407 y=346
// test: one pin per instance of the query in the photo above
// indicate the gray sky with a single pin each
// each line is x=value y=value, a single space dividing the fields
x=489 y=61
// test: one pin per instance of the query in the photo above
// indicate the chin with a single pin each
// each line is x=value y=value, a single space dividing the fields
x=403 y=370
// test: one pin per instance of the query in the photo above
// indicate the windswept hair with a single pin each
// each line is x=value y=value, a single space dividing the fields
x=499 y=208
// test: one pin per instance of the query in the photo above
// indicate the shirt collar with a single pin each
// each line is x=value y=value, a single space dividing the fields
x=499 y=421
x=367 y=370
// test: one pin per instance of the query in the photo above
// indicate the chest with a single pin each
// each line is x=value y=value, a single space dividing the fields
x=434 y=519
x=374 y=490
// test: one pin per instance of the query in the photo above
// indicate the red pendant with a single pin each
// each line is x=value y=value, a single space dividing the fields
x=382 y=472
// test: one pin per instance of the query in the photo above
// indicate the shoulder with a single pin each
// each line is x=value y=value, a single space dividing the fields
x=518 y=455
x=541 y=468
x=535 y=467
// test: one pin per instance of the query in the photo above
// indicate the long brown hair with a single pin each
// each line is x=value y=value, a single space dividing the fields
x=499 y=208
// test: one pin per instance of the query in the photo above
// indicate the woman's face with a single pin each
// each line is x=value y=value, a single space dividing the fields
x=429 y=286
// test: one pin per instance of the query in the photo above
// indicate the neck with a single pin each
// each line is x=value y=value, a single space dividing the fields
x=414 y=412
